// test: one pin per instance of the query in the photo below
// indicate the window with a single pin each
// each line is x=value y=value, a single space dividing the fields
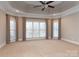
x=35 y=29
x=12 y=29
x=42 y=29
x=55 y=28
x=29 y=29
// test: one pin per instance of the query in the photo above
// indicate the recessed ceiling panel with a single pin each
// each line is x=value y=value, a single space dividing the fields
x=28 y=6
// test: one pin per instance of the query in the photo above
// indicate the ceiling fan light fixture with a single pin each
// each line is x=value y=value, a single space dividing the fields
x=46 y=6
x=54 y=14
x=17 y=11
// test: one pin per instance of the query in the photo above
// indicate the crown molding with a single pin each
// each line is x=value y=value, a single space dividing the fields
x=70 y=11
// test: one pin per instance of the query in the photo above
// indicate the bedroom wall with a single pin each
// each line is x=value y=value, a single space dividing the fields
x=20 y=29
x=2 y=28
x=49 y=28
x=70 y=27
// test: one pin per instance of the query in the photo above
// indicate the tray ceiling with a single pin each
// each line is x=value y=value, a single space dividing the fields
x=25 y=8
x=28 y=6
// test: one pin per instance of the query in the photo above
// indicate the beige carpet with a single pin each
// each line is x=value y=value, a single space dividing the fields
x=40 y=48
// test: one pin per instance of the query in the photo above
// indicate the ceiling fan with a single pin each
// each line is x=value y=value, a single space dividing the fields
x=45 y=4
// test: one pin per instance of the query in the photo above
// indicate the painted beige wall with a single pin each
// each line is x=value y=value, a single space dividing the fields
x=20 y=29
x=2 y=28
x=70 y=27
x=49 y=28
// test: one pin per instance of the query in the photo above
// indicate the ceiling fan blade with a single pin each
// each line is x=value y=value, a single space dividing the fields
x=51 y=6
x=43 y=9
x=37 y=6
x=49 y=2
x=42 y=2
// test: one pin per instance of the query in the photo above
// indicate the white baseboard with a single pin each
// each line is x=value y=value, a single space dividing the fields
x=70 y=41
x=2 y=45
